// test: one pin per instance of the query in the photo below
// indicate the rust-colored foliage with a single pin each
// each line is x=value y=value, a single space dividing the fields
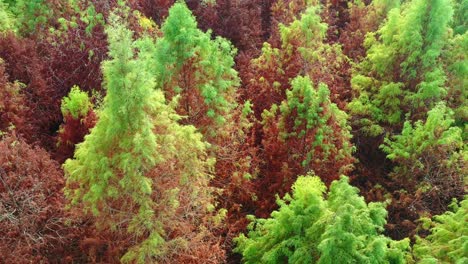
x=362 y=19
x=305 y=133
x=31 y=225
x=73 y=58
x=13 y=108
x=72 y=132
x=22 y=63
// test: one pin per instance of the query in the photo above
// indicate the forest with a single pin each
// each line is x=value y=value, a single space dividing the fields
x=234 y=131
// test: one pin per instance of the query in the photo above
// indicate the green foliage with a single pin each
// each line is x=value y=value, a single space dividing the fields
x=460 y=23
x=77 y=103
x=421 y=146
x=31 y=14
x=130 y=169
x=309 y=229
x=310 y=110
x=402 y=72
x=7 y=19
x=456 y=60
x=188 y=62
x=120 y=149
x=448 y=241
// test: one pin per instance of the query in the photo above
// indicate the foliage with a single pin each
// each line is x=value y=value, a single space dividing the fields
x=31 y=217
x=305 y=133
x=430 y=167
x=199 y=70
x=78 y=119
x=138 y=160
x=448 y=241
x=401 y=74
x=429 y=151
x=13 y=107
x=308 y=229
x=76 y=104
x=39 y=96
x=31 y=14
x=7 y=19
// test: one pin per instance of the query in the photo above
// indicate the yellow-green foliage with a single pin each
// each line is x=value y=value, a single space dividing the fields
x=7 y=20
x=308 y=228
x=76 y=104
x=402 y=73
x=430 y=148
x=448 y=241
x=139 y=171
x=208 y=64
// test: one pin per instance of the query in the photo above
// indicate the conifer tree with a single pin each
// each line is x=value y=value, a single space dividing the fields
x=198 y=70
x=305 y=133
x=401 y=73
x=78 y=119
x=448 y=241
x=300 y=50
x=430 y=158
x=189 y=64
x=309 y=229
x=141 y=174
x=431 y=151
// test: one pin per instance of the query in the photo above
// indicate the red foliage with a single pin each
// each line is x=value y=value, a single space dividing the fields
x=23 y=63
x=13 y=108
x=361 y=21
x=72 y=132
x=73 y=58
x=284 y=158
x=31 y=225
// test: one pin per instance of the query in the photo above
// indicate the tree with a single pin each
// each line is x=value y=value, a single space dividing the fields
x=78 y=118
x=305 y=133
x=32 y=221
x=429 y=151
x=430 y=168
x=401 y=74
x=199 y=70
x=448 y=240
x=142 y=175
x=308 y=229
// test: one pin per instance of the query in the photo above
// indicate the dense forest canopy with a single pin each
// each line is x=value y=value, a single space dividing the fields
x=228 y=131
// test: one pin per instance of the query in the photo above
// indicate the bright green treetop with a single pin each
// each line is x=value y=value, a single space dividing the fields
x=402 y=73
x=7 y=21
x=77 y=103
x=430 y=149
x=448 y=241
x=189 y=63
x=309 y=229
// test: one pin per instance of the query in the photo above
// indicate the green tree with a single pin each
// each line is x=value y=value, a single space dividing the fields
x=430 y=151
x=309 y=229
x=306 y=132
x=140 y=173
x=448 y=241
x=401 y=73
x=190 y=64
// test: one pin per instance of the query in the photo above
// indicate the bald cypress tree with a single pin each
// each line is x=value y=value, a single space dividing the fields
x=139 y=173
x=306 y=132
x=190 y=64
x=310 y=229
x=401 y=73
x=448 y=240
